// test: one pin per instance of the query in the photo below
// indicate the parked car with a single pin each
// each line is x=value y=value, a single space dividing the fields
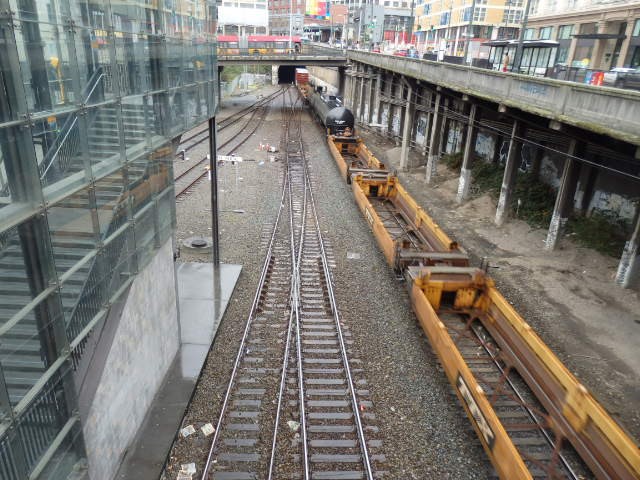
x=413 y=53
x=375 y=49
x=623 y=78
x=401 y=53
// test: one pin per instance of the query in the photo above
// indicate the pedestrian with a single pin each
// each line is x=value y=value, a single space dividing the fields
x=505 y=62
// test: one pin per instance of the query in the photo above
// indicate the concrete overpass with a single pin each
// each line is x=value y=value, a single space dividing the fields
x=610 y=111
x=311 y=55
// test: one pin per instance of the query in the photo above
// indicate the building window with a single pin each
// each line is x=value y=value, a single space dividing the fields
x=427 y=9
x=588 y=29
x=444 y=18
x=512 y=16
x=636 y=29
x=565 y=32
x=545 y=33
x=479 y=14
x=563 y=52
x=529 y=33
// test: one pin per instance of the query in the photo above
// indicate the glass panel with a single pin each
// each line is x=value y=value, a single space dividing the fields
x=134 y=120
x=46 y=70
x=69 y=460
x=72 y=230
x=119 y=261
x=132 y=64
x=158 y=118
x=20 y=192
x=11 y=456
x=140 y=191
x=145 y=235
x=103 y=138
x=30 y=345
x=111 y=203
x=20 y=283
x=166 y=215
x=94 y=48
x=174 y=60
x=43 y=419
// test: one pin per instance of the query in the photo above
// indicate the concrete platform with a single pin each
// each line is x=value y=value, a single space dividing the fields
x=202 y=306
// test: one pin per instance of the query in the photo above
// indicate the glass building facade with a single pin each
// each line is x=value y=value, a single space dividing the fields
x=94 y=96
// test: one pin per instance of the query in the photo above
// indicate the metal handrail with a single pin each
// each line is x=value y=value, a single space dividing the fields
x=68 y=127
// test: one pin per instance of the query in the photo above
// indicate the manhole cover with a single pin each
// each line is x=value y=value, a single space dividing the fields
x=199 y=243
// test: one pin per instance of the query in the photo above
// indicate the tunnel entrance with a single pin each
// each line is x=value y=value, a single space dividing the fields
x=287 y=73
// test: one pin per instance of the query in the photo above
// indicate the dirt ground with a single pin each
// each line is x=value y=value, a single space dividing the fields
x=568 y=295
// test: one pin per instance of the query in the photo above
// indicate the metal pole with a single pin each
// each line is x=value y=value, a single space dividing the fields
x=290 y=26
x=410 y=25
x=469 y=29
x=213 y=168
x=449 y=25
x=518 y=55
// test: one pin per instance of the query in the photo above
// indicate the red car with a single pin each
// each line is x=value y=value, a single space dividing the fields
x=401 y=53
x=375 y=49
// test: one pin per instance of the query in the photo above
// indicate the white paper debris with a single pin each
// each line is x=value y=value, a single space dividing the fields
x=188 y=430
x=293 y=425
x=184 y=476
x=353 y=256
x=188 y=468
x=207 y=429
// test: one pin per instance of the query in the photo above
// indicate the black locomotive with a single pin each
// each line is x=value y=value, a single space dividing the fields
x=337 y=119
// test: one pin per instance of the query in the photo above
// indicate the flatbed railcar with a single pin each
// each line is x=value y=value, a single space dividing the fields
x=533 y=417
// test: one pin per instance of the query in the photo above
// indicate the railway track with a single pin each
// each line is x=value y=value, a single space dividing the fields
x=292 y=408
x=190 y=177
x=203 y=135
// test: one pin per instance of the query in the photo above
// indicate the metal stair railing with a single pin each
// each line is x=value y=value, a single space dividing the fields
x=66 y=147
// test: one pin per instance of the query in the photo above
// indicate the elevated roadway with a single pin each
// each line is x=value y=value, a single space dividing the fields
x=609 y=111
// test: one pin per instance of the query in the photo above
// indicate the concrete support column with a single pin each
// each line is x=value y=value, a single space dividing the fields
x=434 y=142
x=360 y=112
x=572 y=50
x=510 y=170
x=469 y=148
x=371 y=97
x=624 y=49
x=352 y=90
x=564 y=199
x=628 y=274
x=375 y=103
x=342 y=80
x=409 y=111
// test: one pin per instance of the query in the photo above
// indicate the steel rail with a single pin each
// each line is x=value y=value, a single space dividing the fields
x=204 y=174
x=301 y=392
x=293 y=313
x=332 y=301
x=523 y=403
x=230 y=120
x=256 y=299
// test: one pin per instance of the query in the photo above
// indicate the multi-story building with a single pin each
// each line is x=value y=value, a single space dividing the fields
x=286 y=16
x=243 y=17
x=446 y=25
x=592 y=34
x=377 y=21
x=94 y=96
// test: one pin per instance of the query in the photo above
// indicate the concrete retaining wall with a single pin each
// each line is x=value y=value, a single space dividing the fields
x=142 y=350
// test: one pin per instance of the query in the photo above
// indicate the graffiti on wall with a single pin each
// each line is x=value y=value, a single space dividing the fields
x=421 y=129
x=485 y=145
